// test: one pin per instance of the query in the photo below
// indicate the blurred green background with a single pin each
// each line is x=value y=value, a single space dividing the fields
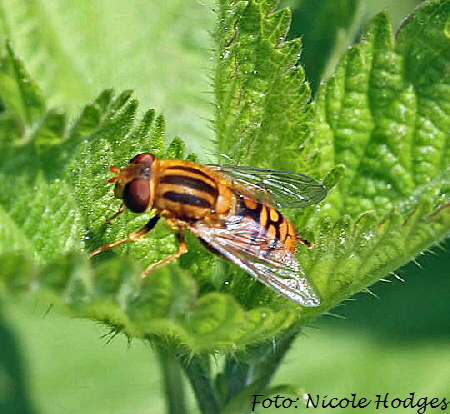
x=50 y=364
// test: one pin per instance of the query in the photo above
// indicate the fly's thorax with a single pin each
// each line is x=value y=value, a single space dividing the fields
x=189 y=191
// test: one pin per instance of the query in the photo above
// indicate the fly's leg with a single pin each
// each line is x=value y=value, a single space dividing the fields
x=131 y=237
x=182 y=249
x=119 y=212
x=307 y=243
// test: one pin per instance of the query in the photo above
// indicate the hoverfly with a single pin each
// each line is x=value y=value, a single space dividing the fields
x=231 y=209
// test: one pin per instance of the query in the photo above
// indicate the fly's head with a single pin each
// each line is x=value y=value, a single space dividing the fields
x=132 y=183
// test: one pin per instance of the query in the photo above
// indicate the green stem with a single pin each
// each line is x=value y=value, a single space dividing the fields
x=198 y=371
x=258 y=365
x=237 y=376
x=266 y=367
x=174 y=391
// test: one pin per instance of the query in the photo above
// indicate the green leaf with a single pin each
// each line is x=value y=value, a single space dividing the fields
x=49 y=227
x=20 y=95
x=48 y=222
x=74 y=204
x=76 y=50
x=261 y=94
x=383 y=116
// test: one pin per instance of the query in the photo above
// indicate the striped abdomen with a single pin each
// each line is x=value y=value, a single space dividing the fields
x=186 y=190
x=269 y=228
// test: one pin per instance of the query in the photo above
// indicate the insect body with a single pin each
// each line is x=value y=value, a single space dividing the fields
x=233 y=210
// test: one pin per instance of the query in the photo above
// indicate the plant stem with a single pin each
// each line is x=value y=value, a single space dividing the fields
x=236 y=376
x=257 y=365
x=198 y=371
x=267 y=366
x=174 y=391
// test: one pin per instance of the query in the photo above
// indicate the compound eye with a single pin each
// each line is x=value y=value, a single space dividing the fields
x=146 y=159
x=136 y=195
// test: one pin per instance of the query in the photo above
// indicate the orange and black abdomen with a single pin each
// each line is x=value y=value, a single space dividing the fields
x=269 y=225
x=185 y=190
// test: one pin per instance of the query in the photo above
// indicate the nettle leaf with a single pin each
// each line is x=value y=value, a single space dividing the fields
x=75 y=51
x=380 y=116
x=48 y=223
x=261 y=94
x=383 y=115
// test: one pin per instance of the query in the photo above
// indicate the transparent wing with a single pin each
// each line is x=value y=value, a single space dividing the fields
x=282 y=189
x=267 y=260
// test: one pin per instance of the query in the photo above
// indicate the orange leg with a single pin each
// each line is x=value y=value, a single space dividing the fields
x=307 y=243
x=121 y=210
x=181 y=250
x=131 y=237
